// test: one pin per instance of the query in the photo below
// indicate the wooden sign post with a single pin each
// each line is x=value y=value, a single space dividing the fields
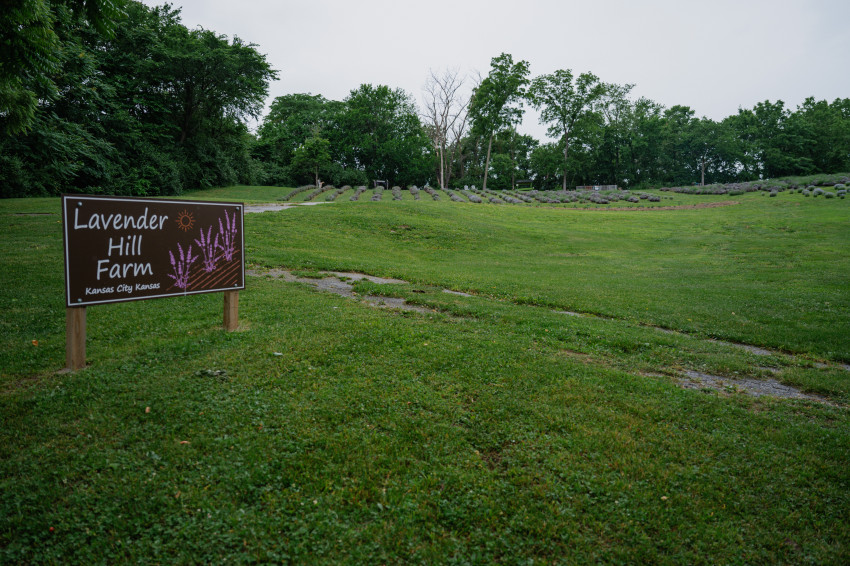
x=231 y=310
x=128 y=249
x=75 y=338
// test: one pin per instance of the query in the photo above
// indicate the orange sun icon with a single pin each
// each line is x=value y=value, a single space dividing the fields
x=185 y=220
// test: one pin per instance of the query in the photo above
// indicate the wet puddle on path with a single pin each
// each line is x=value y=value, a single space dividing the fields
x=755 y=387
x=337 y=282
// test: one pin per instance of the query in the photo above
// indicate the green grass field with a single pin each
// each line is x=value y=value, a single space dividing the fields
x=492 y=429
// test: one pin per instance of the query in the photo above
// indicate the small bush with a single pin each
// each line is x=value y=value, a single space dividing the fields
x=828 y=194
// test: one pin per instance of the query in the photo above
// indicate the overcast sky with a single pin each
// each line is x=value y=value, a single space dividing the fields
x=712 y=56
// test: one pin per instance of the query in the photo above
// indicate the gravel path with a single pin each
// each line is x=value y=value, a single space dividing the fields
x=275 y=206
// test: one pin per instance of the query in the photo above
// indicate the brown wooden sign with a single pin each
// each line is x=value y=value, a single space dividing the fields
x=127 y=249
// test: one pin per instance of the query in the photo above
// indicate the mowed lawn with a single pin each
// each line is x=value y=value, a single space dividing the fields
x=491 y=429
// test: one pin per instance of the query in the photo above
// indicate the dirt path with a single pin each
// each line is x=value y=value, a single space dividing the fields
x=755 y=387
x=275 y=206
x=339 y=283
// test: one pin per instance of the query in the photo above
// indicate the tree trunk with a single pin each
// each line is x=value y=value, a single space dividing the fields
x=566 y=149
x=442 y=152
x=487 y=163
x=513 y=161
x=450 y=163
x=702 y=173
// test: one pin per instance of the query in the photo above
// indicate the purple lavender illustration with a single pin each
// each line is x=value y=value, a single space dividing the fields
x=228 y=236
x=208 y=247
x=181 y=266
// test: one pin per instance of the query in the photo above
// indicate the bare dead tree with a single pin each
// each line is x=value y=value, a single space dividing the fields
x=445 y=117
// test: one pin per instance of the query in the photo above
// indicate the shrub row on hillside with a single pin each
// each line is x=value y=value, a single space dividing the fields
x=768 y=186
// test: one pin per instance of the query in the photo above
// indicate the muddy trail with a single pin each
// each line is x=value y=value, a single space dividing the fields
x=342 y=284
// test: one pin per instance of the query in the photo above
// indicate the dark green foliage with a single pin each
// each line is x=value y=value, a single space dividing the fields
x=374 y=133
x=496 y=102
x=154 y=108
x=568 y=106
x=380 y=133
x=33 y=54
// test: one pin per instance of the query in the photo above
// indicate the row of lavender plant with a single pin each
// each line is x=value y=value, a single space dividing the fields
x=453 y=196
x=432 y=192
x=294 y=192
x=489 y=195
x=504 y=196
x=379 y=194
x=333 y=196
x=520 y=196
x=357 y=193
x=414 y=190
x=472 y=196
x=768 y=186
x=840 y=192
x=319 y=191
x=396 y=192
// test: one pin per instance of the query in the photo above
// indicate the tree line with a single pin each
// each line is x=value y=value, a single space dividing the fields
x=115 y=97
x=105 y=96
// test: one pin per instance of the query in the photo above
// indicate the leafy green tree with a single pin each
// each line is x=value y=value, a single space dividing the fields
x=546 y=164
x=152 y=109
x=378 y=131
x=776 y=145
x=188 y=92
x=32 y=55
x=311 y=156
x=566 y=105
x=503 y=171
x=292 y=119
x=826 y=131
x=497 y=101
x=675 y=152
x=644 y=143
x=611 y=145
x=511 y=159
